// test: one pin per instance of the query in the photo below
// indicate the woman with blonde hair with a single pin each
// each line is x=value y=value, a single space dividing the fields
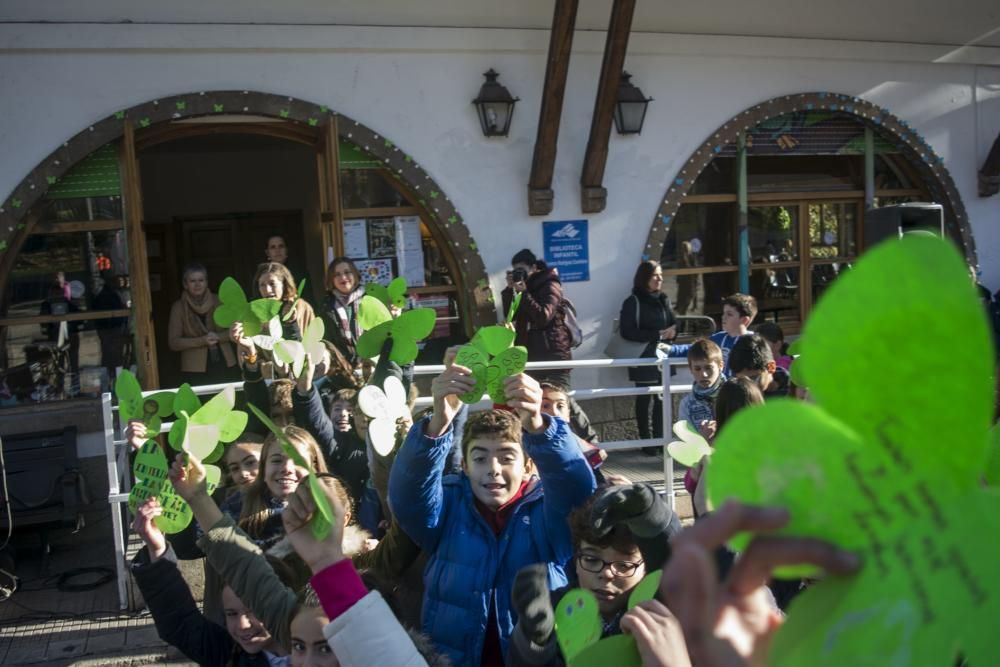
x=207 y=356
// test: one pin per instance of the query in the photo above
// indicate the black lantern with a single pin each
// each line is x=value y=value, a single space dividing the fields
x=495 y=106
x=630 y=109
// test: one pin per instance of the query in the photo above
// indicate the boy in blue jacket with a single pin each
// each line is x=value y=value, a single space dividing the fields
x=481 y=526
x=738 y=311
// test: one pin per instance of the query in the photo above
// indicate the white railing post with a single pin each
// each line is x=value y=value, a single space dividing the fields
x=117 y=526
x=668 y=423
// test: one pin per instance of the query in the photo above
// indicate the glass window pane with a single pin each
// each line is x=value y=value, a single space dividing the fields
x=823 y=276
x=368 y=188
x=777 y=173
x=73 y=265
x=774 y=233
x=82 y=208
x=777 y=294
x=832 y=230
x=701 y=235
x=43 y=362
x=719 y=177
x=699 y=294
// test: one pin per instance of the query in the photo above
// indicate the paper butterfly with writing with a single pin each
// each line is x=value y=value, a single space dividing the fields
x=150 y=410
x=492 y=357
x=202 y=430
x=889 y=463
x=253 y=315
x=293 y=352
x=384 y=406
x=322 y=520
x=691 y=447
x=403 y=332
x=579 y=628
x=393 y=295
x=150 y=470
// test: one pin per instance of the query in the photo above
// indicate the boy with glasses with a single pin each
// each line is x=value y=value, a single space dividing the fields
x=620 y=535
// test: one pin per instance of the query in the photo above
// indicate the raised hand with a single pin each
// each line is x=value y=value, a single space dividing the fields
x=445 y=389
x=525 y=396
x=244 y=343
x=657 y=634
x=304 y=382
x=143 y=526
x=187 y=474
x=318 y=555
x=136 y=434
x=732 y=622
x=532 y=603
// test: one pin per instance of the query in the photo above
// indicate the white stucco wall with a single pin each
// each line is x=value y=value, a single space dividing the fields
x=414 y=86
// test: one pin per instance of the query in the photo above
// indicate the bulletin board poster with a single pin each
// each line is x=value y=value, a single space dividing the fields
x=355 y=238
x=375 y=270
x=382 y=237
x=567 y=249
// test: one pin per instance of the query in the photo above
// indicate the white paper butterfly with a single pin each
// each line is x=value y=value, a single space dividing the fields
x=383 y=408
x=270 y=335
x=293 y=352
x=691 y=447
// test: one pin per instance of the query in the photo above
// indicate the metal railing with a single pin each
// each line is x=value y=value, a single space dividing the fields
x=120 y=477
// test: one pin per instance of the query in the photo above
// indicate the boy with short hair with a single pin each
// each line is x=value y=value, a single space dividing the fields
x=482 y=526
x=705 y=362
x=751 y=358
x=738 y=311
x=556 y=402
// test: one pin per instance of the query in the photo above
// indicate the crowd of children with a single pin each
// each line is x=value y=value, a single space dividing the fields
x=453 y=549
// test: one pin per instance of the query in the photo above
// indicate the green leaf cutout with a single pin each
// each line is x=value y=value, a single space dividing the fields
x=150 y=469
x=291 y=308
x=235 y=308
x=493 y=340
x=888 y=462
x=410 y=327
x=618 y=650
x=578 y=622
x=992 y=475
x=393 y=295
x=372 y=312
x=324 y=517
x=186 y=400
x=200 y=433
x=133 y=405
x=515 y=303
x=646 y=589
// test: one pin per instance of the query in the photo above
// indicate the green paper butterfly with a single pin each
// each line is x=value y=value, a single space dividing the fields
x=491 y=359
x=293 y=352
x=133 y=405
x=323 y=519
x=579 y=628
x=150 y=470
x=405 y=330
x=393 y=295
x=235 y=308
x=888 y=462
x=201 y=430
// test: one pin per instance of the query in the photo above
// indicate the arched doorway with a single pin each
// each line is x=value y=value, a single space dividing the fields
x=103 y=222
x=803 y=166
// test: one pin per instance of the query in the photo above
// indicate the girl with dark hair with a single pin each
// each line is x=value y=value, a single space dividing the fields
x=646 y=316
x=340 y=308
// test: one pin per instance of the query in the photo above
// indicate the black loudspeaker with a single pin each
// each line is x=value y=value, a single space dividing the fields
x=894 y=221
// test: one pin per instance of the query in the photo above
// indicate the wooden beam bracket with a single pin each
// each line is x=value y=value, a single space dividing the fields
x=594 y=198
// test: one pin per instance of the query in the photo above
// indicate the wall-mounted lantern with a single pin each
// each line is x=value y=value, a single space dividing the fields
x=630 y=109
x=495 y=106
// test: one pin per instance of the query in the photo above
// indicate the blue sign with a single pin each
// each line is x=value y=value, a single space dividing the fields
x=567 y=249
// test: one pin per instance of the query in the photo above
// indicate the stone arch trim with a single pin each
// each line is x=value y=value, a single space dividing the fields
x=16 y=219
x=911 y=144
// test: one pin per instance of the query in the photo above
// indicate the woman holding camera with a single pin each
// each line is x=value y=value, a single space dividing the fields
x=540 y=321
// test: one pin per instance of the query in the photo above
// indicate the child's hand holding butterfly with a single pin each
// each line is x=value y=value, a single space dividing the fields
x=318 y=555
x=245 y=344
x=445 y=389
x=143 y=526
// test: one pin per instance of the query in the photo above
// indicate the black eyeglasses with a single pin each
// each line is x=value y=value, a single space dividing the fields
x=619 y=568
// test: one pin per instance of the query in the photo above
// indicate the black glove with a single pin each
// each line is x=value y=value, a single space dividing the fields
x=643 y=512
x=532 y=603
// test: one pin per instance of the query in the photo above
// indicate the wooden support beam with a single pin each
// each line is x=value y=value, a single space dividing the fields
x=543 y=162
x=594 y=196
x=989 y=175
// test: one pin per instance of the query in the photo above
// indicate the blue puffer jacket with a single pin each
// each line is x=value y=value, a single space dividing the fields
x=471 y=568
